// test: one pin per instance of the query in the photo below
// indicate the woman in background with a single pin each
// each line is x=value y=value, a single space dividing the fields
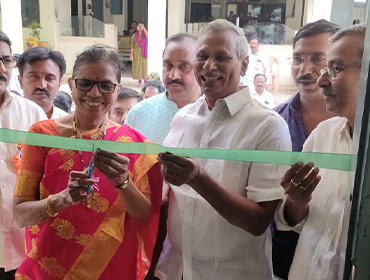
x=139 y=53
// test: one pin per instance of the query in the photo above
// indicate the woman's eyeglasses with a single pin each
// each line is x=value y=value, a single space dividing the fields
x=87 y=85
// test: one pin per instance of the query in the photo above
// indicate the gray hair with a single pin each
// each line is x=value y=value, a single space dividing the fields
x=224 y=25
x=100 y=53
x=358 y=30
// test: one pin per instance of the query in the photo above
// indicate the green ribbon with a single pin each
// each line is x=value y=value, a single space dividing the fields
x=343 y=162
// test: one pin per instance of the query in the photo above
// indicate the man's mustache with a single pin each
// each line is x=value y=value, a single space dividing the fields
x=42 y=90
x=3 y=77
x=175 y=82
x=306 y=78
x=328 y=91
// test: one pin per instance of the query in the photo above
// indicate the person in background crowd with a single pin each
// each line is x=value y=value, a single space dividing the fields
x=40 y=75
x=14 y=85
x=303 y=112
x=315 y=203
x=97 y=224
x=258 y=64
x=139 y=53
x=153 y=116
x=133 y=27
x=63 y=101
x=152 y=88
x=126 y=99
x=260 y=93
x=19 y=114
x=219 y=211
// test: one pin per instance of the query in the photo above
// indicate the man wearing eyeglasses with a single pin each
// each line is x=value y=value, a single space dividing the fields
x=41 y=71
x=19 y=114
x=323 y=195
x=303 y=112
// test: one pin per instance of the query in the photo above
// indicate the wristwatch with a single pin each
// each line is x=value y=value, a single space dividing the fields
x=124 y=185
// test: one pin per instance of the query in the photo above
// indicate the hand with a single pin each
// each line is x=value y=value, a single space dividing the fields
x=131 y=57
x=77 y=188
x=112 y=165
x=300 y=181
x=177 y=170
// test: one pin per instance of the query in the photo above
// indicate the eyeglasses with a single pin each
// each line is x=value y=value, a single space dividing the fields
x=333 y=71
x=8 y=61
x=87 y=85
x=318 y=60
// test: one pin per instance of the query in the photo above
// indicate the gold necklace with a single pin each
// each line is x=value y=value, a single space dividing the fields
x=102 y=131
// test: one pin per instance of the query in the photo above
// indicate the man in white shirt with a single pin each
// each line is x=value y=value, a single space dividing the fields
x=40 y=75
x=317 y=255
x=260 y=93
x=19 y=114
x=219 y=216
x=258 y=64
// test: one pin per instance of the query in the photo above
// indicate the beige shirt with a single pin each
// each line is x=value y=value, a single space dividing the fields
x=200 y=243
x=318 y=249
x=19 y=114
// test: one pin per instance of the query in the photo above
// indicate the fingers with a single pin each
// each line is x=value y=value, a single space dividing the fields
x=302 y=183
x=182 y=161
x=302 y=173
x=108 y=155
x=78 y=174
x=291 y=172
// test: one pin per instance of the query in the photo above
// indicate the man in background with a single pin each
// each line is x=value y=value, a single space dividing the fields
x=126 y=99
x=40 y=75
x=152 y=88
x=19 y=114
x=260 y=93
x=258 y=64
x=153 y=116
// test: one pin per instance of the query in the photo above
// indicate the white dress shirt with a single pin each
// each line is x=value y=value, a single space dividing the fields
x=200 y=243
x=58 y=113
x=258 y=64
x=318 y=249
x=266 y=98
x=19 y=114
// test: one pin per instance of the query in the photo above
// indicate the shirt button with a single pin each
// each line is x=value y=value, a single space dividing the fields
x=330 y=231
x=317 y=262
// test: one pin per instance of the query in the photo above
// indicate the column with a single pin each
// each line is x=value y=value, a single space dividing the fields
x=12 y=23
x=156 y=34
x=176 y=16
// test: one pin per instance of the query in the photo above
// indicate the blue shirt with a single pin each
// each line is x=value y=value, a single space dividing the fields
x=291 y=113
x=152 y=117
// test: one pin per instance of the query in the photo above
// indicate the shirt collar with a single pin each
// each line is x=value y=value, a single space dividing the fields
x=344 y=129
x=7 y=98
x=237 y=100
x=295 y=104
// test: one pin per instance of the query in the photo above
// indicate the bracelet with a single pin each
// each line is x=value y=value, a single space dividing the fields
x=48 y=208
x=124 y=185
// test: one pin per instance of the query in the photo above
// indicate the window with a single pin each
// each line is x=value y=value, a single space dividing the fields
x=30 y=12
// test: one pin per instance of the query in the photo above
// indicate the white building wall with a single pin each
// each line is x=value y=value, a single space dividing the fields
x=11 y=21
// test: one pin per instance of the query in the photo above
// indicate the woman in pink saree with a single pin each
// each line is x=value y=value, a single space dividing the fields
x=83 y=226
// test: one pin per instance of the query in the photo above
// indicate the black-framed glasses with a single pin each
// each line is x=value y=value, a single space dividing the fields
x=318 y=60
x=8 y=61
x=333 y=71
x=87 y=85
